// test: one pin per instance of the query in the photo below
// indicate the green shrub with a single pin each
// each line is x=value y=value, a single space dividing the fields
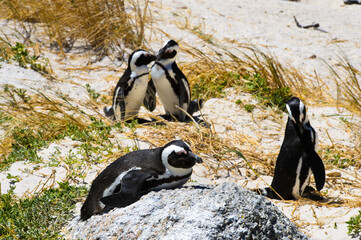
x=39 y=217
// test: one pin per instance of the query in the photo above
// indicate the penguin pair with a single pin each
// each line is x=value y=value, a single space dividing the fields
x=172 y=86
x=297 y=158
x=125 y=180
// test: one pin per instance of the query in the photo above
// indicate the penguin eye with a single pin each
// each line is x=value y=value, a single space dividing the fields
x=169 y=50
x=182 y=152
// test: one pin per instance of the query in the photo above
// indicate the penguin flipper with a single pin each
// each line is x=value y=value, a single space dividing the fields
x=318 y=170
x=309 y=193
x=129 y=193
x=314 y=160
x=119 y=105
x=150 y=101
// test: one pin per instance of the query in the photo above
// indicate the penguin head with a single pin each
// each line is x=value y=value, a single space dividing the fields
x=140 y=58
x=168 y=51
x=297 y=112
x=179 y=158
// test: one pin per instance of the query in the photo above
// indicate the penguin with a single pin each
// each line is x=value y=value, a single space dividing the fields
x=171 y=84
x=125 y=180
x=297 y=158
x=132 y=88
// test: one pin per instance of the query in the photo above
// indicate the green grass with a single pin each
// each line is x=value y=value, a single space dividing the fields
x=213 y=85
x=269 y=96
x=39 y=217
x=354 y=225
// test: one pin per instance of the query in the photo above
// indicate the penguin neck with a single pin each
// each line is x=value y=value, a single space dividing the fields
x=167 y=63
x=139 y=72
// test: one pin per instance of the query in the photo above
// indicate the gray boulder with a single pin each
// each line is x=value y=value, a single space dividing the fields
x=201 y=212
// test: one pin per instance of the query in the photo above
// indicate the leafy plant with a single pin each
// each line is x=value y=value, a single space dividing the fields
x=39 y=217
x=249 y=107
x=22 y=56
x=25 y=146
x=354 y=225
x=92 y=93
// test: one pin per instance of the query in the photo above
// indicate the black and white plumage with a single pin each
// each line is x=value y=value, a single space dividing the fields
x=171 y=84
x=297 y=158
x=131 y=88
x=125 y=180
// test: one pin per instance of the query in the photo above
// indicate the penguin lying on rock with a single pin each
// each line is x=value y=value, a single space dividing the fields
x=125 y=180
x=172 y=86
x=131 y=89
x=297 y=158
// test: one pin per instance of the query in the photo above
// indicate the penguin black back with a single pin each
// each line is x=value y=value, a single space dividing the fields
x=136 y=173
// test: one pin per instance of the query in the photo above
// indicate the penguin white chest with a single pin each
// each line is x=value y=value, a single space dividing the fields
x=135 y=96
x=165 y=91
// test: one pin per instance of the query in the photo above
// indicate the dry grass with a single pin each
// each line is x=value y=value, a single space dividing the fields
x=347 y=79
x=104 y=24
x=218 y=68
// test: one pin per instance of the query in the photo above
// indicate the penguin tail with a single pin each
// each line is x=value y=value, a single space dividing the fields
x=194 y=106
x=87 y=210
x=109 y=112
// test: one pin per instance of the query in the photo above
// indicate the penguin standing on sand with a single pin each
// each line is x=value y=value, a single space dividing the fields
x=171 y=84
x=297 y=158
x=131 y=88
x=125 y=180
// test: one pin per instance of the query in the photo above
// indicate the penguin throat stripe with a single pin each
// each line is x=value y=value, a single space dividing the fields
x=153 y=183
x=139 y=76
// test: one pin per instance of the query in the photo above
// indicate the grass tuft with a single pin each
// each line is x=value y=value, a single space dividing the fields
x=103 y=24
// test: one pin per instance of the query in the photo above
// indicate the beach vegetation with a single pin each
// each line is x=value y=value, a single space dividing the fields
x=354 y=225
x=41 y=216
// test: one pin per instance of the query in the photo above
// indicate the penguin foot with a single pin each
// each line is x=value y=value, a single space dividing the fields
x=199 y=121
x=195 y=106
x=311 y=193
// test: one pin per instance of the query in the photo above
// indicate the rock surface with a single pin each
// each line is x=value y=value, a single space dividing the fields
x=202 y=212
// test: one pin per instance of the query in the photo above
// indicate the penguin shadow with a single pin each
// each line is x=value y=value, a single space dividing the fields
x=107 y=209
x=202 y=187
x=195 y=119
x=309 y=193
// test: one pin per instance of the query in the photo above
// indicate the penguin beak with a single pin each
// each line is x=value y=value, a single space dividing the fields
x=152 y=58
x=160 y=54
x=197 y=158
